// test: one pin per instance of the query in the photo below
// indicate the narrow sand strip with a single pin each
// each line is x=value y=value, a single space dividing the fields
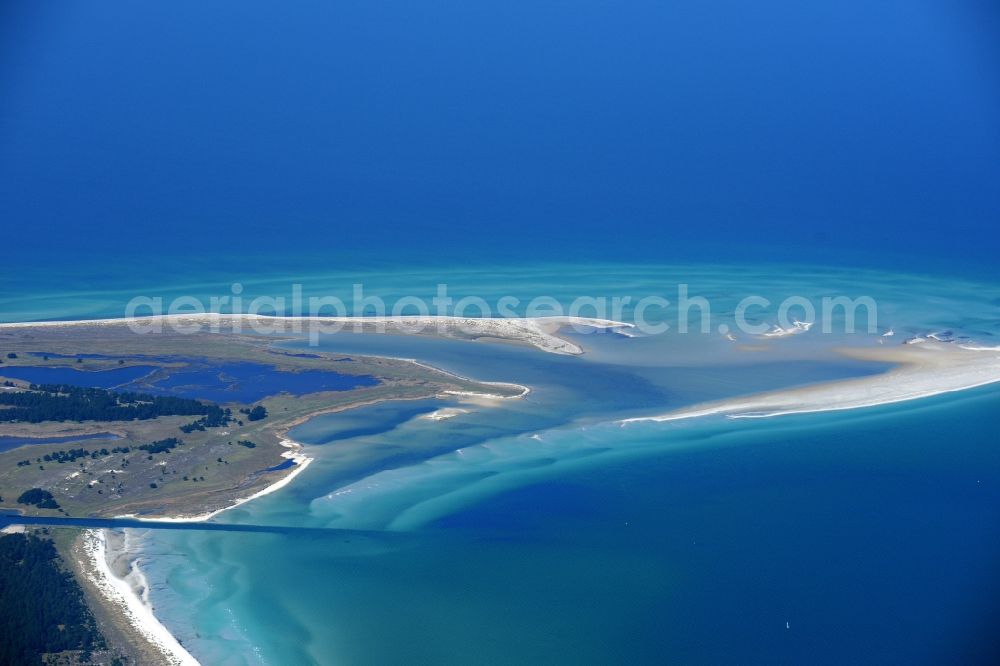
x=524 y=390
x=540 y=332
x=922 y=371
x=130 y=603
x=444 y=413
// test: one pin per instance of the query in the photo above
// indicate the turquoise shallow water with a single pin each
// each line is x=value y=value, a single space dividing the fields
x=874 y=536
x=555 y=535
x=539 y=530
x=911 y=301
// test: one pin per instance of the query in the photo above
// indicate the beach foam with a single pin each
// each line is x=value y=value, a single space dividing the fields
x=133 y=604
x=444 y=413
x=795 y=329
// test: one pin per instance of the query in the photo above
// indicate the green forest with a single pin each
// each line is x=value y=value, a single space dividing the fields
x=59 y=402
x=42 y=609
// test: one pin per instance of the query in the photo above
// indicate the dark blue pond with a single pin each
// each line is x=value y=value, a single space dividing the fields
x=55 y=355
x=227 y=382
x=8 y=443
x=248 y=382
x=93 y=378
x=280 y=466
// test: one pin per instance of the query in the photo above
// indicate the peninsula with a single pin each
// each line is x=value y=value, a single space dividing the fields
x=96 y=420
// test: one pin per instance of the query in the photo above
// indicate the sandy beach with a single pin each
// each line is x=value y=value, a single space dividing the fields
x=444 y=414
x=128 y=593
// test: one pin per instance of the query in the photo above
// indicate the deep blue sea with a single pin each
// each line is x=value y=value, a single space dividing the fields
x=556 y=149
x=170 y=140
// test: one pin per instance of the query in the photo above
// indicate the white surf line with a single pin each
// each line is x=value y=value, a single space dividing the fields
x=923 y=371
x=540 y=332
x=524 y=390
x=301 y=462
x=796 y=328
x=120 y=593
x=444 y=414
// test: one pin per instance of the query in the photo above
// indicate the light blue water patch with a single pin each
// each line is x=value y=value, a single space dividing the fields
x=360 y=422
x=967 y=306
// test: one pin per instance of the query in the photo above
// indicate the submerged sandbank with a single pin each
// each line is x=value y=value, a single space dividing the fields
x=920 y=371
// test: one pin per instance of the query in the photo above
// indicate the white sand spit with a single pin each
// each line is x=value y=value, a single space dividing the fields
x=541 y=332
x=921 y=371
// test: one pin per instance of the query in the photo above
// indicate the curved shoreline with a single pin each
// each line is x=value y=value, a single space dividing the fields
x=524 y=390
x=129 y=603
x=302 y=461
x=132 y=605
